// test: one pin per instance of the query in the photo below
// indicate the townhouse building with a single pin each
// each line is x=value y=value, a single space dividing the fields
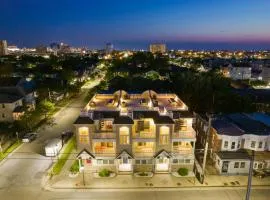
x=16 y=95
x=126 y=133
x=231 y=141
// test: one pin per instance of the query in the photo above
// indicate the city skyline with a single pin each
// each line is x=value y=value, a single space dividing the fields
x=134 y=25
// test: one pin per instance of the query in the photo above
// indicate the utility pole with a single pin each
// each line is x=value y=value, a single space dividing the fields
x=250 y=176
x=206 y=146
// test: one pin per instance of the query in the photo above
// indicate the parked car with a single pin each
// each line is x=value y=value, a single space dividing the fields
x=66 y=135
x=53 y=147
x=259 y=174
x=29 y=137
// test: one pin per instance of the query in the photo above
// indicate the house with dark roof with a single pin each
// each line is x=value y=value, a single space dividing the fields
x=231 y=139
x=135 y=132
x=15 y=95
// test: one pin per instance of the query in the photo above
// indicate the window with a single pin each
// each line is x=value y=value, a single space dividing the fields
x=181 y=161
x=180 y=125
x=143 y=125
x=143 y=162
x=226 y=144
x=238 y=145
x=137 y=162
x=236 y=165
x=260 y=144
x=105 y=162
x=124 y=135
x=175 y=161
x=187 y=161
x=84 y=135
x=233 y=145
x=242 y=165
x=3 y=105
x=106 y=125
x=253 y=144
x=99 y=162
x=164 y=135
x=255 y=165
x=260 y=166
x=3 y=115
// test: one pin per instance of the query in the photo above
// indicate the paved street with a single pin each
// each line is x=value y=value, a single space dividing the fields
x=21 y=174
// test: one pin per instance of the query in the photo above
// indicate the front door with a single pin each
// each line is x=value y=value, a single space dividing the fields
x=125 y=164
x=162 y=165
x=225 y=166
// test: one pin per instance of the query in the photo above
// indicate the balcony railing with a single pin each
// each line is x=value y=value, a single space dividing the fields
x=143 y=152
x=184 y=134
x=104 y=135
x=100 y=151
x=144 y=134
x=182 y=150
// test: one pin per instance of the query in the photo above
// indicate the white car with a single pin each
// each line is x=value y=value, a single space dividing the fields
x=29 y=137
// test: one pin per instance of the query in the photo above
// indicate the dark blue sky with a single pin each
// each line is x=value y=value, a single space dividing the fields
x=182 y=24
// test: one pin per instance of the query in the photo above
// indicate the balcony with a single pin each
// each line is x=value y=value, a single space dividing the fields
x=182 y=150
x=104 y=151
x=143 y=149
x=144 y=135
x=189 y=134
x=104 y=135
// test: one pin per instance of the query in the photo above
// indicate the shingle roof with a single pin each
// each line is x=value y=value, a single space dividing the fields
x=249 y=125
x=9 y=81
x=18 y=109
x=163 y=120
x=223 y=127
x=83 y=120
x=105 y=114
x=123 y=120
x=233 y=155
x=182 y=114
x=9 y=98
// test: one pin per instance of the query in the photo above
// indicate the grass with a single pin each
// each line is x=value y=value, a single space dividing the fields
x=10 y=149
x=183 y=171
x=63 y=157
x=75 y=167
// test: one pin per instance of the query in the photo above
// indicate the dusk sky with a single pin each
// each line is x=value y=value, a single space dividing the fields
x=182 y=24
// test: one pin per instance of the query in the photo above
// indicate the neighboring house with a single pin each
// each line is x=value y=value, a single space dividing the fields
x=266 y=73
x=240 y=71
x=127 y=133
x=231 y=139
x=16 y=95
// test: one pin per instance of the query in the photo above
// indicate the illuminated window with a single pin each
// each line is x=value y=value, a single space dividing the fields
x=164 y=135
x=84 y=135
x=180 y=125
x=106 y=125
x=124 y=135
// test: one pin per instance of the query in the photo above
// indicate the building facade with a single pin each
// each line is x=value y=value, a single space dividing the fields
x=3 y=48
x=126 y=133
x=231 y=139
x=158 y=48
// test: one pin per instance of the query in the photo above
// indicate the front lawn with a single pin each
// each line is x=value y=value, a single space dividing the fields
x=10 y=149
x=63 y=156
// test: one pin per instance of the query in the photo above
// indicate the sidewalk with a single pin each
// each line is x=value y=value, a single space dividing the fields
x=63 y=181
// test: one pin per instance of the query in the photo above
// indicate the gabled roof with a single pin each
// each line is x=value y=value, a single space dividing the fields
x=182 y=114
x=18 y=109
x=233 y=155
x=124 y=152
x=84 y=151
x=163 y=120
x=223 y=127
x=83 y=120
x=162 y=153
x=123 y=120
x=105 y=114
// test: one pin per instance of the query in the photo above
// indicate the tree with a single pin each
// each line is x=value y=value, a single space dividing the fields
x=6 y=70
x=46 y=106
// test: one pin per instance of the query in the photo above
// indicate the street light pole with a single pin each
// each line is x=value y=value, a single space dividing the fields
x=250 y=176
x=206 y=146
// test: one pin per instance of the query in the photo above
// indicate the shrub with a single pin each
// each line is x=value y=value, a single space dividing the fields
x=183 y=171
x=143 y=174
x=75 y=167
x=104 y=173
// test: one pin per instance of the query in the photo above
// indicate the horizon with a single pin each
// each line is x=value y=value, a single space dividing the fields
x=209 y=25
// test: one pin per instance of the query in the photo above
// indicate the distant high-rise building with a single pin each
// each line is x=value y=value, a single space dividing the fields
x=41 y=49
x=3 y=48
x=109 y=48
x=157 y=48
